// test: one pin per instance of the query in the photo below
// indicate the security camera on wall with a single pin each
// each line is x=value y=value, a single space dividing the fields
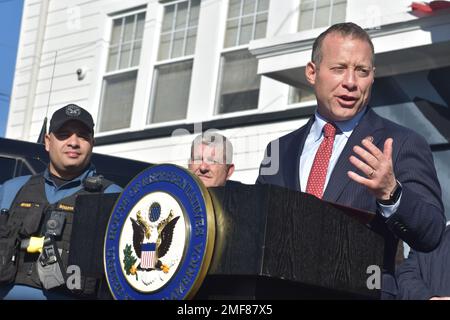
x=81 y=73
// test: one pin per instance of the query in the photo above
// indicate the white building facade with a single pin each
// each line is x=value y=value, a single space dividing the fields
x=156 y=73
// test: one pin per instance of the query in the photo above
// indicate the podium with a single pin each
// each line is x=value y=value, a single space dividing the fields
x=275 y=243
x=271 y=243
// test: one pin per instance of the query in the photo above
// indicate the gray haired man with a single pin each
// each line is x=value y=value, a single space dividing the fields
x=212 y=159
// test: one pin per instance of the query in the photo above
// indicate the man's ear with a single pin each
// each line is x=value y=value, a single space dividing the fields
x=47 y=142
x=311 y=72
x=230 y=170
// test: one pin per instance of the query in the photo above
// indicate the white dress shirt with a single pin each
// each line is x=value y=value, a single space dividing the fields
x=312 y=143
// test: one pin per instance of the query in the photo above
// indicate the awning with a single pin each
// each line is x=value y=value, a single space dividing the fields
x=431 y=6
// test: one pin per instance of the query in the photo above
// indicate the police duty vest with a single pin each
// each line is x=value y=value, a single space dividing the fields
x=28 y=212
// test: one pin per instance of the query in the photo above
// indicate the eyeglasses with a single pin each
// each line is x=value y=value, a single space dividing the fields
x=209 y=161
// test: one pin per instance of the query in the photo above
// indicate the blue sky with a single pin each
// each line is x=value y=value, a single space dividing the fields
x=10 y=17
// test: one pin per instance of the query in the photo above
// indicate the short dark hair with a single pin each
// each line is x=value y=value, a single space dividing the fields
x=346 y=29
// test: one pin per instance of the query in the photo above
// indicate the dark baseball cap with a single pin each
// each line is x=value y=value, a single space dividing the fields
x=69 y=113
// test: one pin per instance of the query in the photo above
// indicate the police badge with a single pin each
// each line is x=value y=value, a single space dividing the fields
x=160 y=236
x=73 y=110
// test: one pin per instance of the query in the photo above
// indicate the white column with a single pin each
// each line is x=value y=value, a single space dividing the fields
x=31 y=94
x=210 y=38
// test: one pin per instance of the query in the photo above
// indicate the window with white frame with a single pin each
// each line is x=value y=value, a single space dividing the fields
x=179 y=29
x=239 y=82
x=239 y=87
x=171 y=93
x=321 y=13
x=172 y=79
x=246 y=21
x=119 y=82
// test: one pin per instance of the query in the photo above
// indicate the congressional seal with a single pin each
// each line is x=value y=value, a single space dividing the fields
x=160 y=236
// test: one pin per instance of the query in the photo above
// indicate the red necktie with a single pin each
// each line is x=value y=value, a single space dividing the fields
x=318 y=173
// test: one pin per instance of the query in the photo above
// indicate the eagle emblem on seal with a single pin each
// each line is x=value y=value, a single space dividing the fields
x=152 y=239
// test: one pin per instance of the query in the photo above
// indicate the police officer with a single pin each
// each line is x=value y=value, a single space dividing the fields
x=29 y=201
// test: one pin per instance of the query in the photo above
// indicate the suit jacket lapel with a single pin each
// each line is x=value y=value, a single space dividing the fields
x=370 y=124
x=295 y=147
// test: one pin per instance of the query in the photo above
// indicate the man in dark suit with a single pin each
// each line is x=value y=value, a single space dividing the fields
x=348 y=154
x=426 y=276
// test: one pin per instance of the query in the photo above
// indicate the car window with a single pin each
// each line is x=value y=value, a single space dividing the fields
x=7 y=168
x=22 y=169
